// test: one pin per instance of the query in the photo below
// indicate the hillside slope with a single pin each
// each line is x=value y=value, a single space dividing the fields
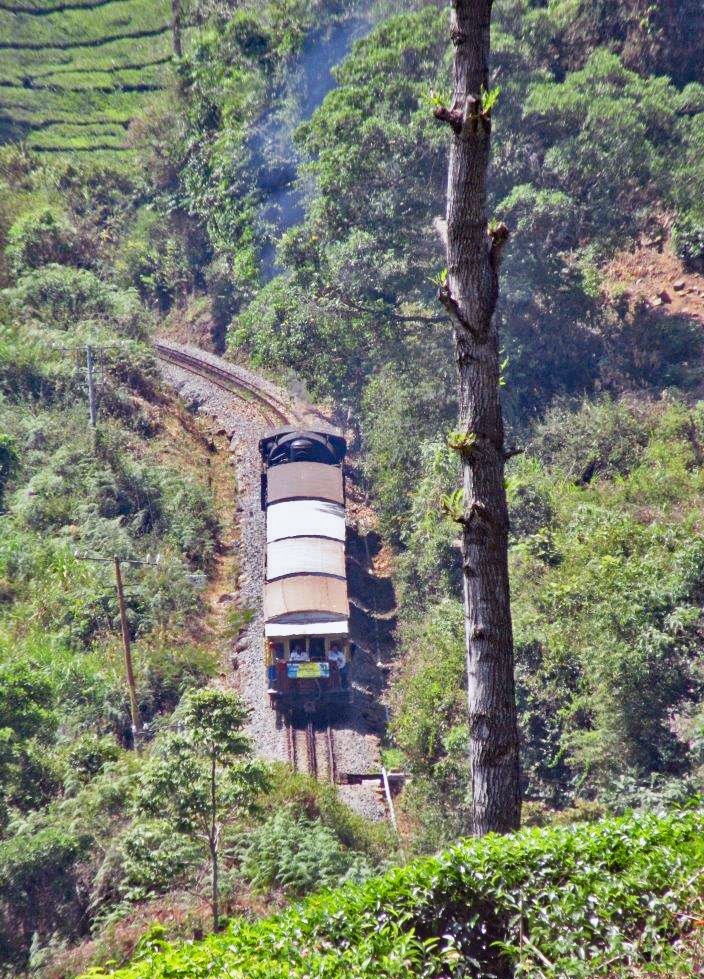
x=589 y=900
x=72 y=76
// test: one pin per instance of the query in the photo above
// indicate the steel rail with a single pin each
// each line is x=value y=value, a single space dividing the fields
x=311 y=751
x=228 y=380
x=330 y=745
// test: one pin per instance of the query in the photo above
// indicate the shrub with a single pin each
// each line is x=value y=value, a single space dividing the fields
x=688 y=240
x=41 y=237
x=565 y=902
x=298 y=856
x=60 y=296
x=153 y=856
x=87 y=758
x=38 y=884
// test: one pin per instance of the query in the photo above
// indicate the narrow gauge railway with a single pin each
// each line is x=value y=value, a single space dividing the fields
x=305 y=609
x=231 y=379
x=311 y=749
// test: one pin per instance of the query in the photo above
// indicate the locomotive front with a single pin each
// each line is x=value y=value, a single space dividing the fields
x=306 y=608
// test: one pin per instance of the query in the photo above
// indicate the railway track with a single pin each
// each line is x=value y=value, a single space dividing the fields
x=311 y=749
x=230 y=379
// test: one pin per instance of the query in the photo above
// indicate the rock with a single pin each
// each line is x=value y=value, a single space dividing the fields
x=655 y=301
x=665 y=296
x=679 y=285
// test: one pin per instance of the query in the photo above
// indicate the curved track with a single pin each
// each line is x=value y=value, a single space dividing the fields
x=234 y=380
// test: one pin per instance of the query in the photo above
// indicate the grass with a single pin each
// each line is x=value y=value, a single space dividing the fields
x=85 y=66
x=593 y=899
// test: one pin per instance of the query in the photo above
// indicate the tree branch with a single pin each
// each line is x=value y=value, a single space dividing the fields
x=397 y=317
x=451 y=116
x=499 y=236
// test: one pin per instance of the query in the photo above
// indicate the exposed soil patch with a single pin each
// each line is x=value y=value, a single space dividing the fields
x=659 y=279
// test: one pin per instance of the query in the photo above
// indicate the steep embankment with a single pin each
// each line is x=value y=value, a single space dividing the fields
x=73 y=75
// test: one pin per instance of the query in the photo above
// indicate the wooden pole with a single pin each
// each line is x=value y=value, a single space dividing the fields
x=91 y=387
x=134 y=707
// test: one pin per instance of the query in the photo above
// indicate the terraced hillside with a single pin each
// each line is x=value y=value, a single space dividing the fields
x=73 y=74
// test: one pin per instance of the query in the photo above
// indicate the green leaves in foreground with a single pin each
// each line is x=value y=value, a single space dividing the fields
x=568 y=902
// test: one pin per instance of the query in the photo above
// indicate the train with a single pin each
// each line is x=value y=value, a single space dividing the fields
x=306 y=602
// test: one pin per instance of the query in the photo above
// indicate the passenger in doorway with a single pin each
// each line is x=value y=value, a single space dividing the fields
x=337 y=655
x=299 y=653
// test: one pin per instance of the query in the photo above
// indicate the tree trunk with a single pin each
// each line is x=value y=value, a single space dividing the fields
x=469 y=293
x=215 y=881
x=213 y=844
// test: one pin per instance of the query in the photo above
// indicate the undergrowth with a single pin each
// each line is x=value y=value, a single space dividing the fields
x=595 y=899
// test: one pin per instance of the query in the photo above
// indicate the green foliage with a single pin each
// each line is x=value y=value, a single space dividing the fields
x=37 y=883
x=86 y=758
x=9 y=462
x=586 y=899
x=28 y=723
x=432 y=733
x=73 y=79
x=310 y=800
x=605 y=564
x=453 y=505
x=298 y=856
x=203 y=775
x=462 y=442
x=176 y=785
x=489 y=98
x=40 y=238
x=59 y=296
x=153 y=858
x=399 y=409
x=688 y=240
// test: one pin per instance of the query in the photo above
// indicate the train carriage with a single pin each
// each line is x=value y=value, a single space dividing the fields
x=306 y=607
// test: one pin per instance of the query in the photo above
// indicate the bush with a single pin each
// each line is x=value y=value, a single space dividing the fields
x=298 y=856
x=688 y=241
x=41 y=237
x=60 y=297
x=37 y=885
x=153 y=857
x=87 y=758
x=588 y=900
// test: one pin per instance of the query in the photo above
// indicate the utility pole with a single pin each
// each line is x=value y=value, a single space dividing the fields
x=137 y=730
x=91 y=386
x=134 y=706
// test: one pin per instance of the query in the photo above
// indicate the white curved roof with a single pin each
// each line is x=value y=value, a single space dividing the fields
x=305 y=518
x=305 y=555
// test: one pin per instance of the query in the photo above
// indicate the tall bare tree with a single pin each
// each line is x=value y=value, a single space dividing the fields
x=469 y=291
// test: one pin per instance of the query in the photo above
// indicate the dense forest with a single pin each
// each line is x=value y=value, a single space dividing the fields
x=262 y=179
